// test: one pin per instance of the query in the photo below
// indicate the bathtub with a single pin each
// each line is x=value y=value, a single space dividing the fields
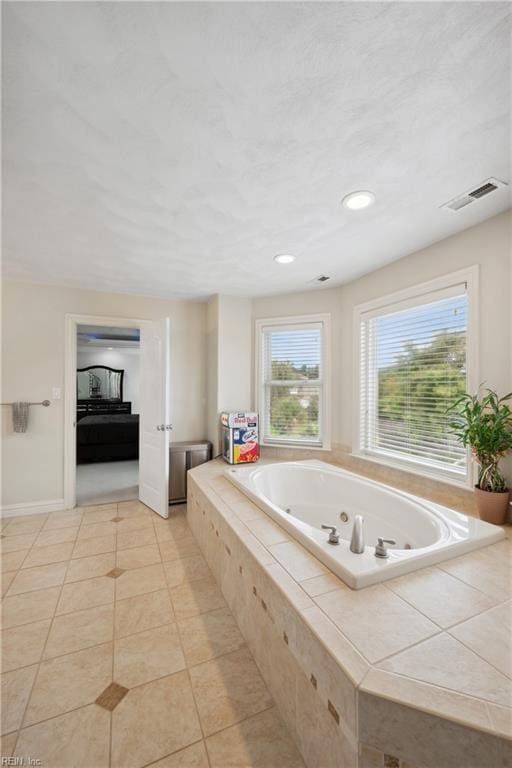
x=301 y=495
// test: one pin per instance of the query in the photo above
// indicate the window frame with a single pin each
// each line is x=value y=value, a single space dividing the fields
x=324 y=406
x=416 y=295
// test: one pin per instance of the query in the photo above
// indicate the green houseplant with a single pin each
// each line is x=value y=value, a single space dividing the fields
x=484 y=423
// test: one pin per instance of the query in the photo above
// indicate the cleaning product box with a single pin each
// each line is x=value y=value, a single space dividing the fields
x=240 y=443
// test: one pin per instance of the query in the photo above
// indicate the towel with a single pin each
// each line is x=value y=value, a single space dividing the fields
x=20 y=416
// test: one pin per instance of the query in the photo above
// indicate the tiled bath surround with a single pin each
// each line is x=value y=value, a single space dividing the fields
x=395 y=675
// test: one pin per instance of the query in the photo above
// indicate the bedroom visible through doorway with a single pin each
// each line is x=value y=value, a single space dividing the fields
x=107 y=414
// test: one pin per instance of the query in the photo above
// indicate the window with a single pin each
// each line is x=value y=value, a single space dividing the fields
x=292 y=381
x=414 y=361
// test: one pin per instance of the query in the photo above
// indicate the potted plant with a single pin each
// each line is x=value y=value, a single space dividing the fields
x=484 y=422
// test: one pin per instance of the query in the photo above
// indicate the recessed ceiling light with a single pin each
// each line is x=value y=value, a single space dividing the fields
x=110 y=348
x=356 y=201
x=284 y=258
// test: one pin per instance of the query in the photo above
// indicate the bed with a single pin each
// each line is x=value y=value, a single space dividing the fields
x=109 y=437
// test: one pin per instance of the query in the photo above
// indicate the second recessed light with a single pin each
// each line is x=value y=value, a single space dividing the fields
x=284 y=258
x=356 y=201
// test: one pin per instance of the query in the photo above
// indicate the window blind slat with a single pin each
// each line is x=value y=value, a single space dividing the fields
x=292 y=383
x=412 y=369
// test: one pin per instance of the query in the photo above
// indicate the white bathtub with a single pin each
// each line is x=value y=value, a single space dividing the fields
x=301 y=495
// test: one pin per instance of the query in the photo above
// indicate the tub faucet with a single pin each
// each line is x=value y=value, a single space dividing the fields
x=381 y=549
x=334 y=537
x=357 y=539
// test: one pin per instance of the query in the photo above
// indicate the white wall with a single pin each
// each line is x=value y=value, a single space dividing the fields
x=488 y=245
x=126 y=359
x=33 y=363
x=229 y=359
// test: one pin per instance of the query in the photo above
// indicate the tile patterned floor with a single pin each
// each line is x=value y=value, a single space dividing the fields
x=119 y=650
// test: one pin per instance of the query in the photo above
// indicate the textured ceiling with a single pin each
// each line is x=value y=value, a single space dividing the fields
x=172 y=149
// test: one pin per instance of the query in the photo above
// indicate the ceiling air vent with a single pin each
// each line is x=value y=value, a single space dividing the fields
x=485 y=188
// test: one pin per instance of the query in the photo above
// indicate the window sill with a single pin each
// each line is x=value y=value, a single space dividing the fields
x=465 y=483
x=295 y=446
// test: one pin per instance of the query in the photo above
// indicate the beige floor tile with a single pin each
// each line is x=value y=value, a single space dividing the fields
x=6 y=580
x=15 y=690
x=22 y=526
x=42 y=577
x=147 y=656
x=91 y=547
x=23 y=645
x=190 y=757
x=172 y=529
x=228 y=690
x=154 y=720
x=441 y=597
x=193 y=598
x=136 y=614
x=176 y=550
x=137 y=557
x=187 y=569
x=260 y=742
x=134 y=508
x=56 y=536
x=129 y=524
x=368 y=619
x=29 y=607
x=86 y=594
x=136 y=538
x=54 y=553
x=67 y=518
x=80 y=629
x=490 y=636
x=12 y=561
x=78 y=739
x=209 y=635
x=96 y=531
x=101 y=514
x=444 y=661
x=8 y=743
x=139 y=581
x=90 y=567
x=15 y=543
x=69 y=682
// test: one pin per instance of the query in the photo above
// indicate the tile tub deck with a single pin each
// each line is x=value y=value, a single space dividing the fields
x=430 y=650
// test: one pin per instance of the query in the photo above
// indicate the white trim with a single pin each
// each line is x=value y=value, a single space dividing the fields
x=72 y=321
x=299 y=320
x=411 y=295
x=32 y=508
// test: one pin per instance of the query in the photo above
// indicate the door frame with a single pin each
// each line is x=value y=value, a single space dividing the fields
x=72 y=322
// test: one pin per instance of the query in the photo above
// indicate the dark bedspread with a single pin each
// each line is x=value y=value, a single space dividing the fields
x=108 y=429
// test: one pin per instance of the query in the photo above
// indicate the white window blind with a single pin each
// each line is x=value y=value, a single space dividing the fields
x=413 y=366
x=292 y=384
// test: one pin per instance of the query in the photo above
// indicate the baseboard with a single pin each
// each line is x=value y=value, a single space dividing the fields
x=32 y=507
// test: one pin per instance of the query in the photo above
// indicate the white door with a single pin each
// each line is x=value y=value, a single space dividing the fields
x=155 y=415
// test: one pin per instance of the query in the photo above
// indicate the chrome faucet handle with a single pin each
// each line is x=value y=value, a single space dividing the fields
x=380 y=549
x=334 y=537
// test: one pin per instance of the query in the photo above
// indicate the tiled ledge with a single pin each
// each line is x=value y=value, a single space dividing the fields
x=410 y=642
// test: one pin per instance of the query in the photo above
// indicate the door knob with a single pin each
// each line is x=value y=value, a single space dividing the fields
x=168 y=426
x=161 y=427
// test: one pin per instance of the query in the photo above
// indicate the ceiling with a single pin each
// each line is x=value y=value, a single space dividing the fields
x=172 y=149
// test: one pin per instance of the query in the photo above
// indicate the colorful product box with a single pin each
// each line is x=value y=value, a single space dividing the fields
x=240 y=437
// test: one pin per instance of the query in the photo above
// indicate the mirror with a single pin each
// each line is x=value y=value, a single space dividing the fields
x=99 y=382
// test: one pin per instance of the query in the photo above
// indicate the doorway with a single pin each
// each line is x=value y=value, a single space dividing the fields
x=154 y=407
x=107 y=414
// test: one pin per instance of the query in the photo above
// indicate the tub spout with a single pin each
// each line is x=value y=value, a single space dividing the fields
x=357 y=539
